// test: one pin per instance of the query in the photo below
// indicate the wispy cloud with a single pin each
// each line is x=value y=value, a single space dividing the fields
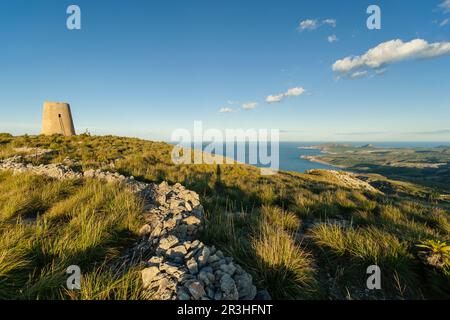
x=293 y=92
x=332 y=38
x=445 y=6
x=390 y=52
x=313 y=24
x=226 y=110
x=330 y=22
x=368 y=133
x=380 y=72
x=291 y=131
x=444 y=22
x=433 y=132
x=249 y=105
x=308 y=24
x=361 y=133
x=275 y=98
x=359 y=74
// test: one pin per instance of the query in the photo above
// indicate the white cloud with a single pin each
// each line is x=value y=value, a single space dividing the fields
x=249 y=105
x=232 y=102
x=226 y=110
x=391 y=52
x=293 y=92
x=312 y=24
x=330 y=22
x=274 y=98
x=332 y=38
x=359 y=74
x=308 y=25
x=444 y=22
x=445 y=6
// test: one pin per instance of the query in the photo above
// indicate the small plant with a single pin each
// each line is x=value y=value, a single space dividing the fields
x=436 y=253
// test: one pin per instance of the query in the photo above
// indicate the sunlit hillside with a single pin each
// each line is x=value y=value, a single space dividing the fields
x=301 y=236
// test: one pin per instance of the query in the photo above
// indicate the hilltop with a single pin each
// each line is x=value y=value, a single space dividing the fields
x=297 y=236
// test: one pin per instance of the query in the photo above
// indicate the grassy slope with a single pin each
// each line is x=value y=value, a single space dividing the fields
x=78 y=222
x=277 y=227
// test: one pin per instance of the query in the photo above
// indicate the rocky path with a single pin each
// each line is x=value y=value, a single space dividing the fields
x=181 y=267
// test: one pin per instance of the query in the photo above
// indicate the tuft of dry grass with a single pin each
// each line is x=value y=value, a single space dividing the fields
x=283 y=265
x=359 y=248
x=280 y=218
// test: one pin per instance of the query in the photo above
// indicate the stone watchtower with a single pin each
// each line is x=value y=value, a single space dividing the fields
x=57 y=119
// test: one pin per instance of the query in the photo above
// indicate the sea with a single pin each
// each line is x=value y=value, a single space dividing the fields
x=290 y=153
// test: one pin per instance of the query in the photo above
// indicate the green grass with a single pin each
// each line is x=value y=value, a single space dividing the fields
x=356 y=249
x=283 y=264
x=87 y=224
x=280 y=228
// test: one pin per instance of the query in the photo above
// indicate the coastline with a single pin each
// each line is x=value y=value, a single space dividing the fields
x=320 y=148
x=318 y=158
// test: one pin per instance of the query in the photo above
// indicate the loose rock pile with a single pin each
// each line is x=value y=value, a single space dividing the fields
x=185 y=268
x=57 y=171
x=63 y=172
x=347 y=179
x=181 y=267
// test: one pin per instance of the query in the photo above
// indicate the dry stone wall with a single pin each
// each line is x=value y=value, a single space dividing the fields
x=181 y=266
x=184 y=267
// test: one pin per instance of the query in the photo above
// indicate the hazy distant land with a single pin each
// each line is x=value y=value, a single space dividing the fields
x=426 y=166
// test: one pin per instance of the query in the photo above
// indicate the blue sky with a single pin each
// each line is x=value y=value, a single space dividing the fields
x=145 y=68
